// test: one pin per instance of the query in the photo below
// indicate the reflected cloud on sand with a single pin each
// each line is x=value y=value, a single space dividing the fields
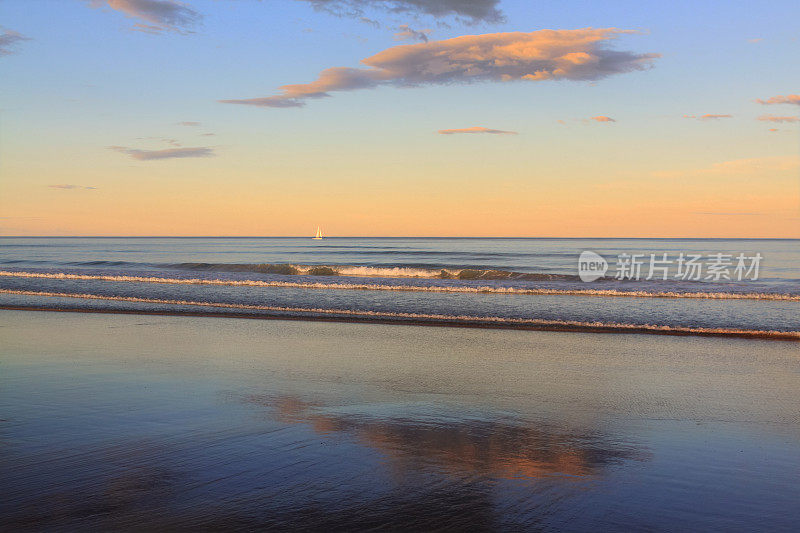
x=496 y=447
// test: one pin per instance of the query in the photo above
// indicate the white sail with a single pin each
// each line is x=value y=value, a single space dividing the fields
x=319 y=234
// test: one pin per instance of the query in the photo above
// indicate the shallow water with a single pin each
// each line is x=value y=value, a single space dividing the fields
x=131 y=422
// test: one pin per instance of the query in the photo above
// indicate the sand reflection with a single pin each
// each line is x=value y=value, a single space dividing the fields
x=501 y=447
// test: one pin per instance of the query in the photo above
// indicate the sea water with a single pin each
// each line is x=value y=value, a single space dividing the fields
x=488 y=282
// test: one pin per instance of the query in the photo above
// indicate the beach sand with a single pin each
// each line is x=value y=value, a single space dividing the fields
x=159 y=422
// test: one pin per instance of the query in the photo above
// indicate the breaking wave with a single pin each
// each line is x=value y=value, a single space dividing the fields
x=424 y=318
x=373 y=271
x=413 y=288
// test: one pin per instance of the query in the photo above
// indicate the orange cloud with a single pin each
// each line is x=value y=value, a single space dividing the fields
x=781 y=99
x=773 y=118
x=477 y=129
x=536 y=56
x=603 y=118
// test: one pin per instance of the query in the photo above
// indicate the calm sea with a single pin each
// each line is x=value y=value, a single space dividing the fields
x=481 y=281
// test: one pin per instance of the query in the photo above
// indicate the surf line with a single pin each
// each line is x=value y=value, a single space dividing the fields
x=411 y=288
x=391 y=317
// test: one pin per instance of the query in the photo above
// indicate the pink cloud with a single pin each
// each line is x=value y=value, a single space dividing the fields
x=603 y=118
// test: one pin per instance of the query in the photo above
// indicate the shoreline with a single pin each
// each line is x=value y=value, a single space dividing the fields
x=790 y=336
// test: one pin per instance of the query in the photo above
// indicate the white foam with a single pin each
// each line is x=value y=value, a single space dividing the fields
x=464 y=319
x=413 y=288
x=384 y=272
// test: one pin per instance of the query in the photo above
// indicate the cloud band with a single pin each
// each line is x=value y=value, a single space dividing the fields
x=577 y=55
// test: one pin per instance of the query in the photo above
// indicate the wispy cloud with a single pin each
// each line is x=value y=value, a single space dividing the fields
x=189 y=123
x=603 y=118
x=781 y=99
x=70 y=187
x=470 y=11
x=708 y=117
x=746 y=167
x=739 y=214
x=9 y=39
x=172 y=142
x=774 y=118
x=157 y=16
x=170 y=153
x=374 y=23
x=405 y=32
x=477 y=129
x=536 y=56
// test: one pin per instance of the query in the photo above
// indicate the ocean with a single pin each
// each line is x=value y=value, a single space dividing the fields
x=737 y=287
x=141 y=410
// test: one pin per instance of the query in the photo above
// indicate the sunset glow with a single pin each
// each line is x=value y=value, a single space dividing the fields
x=500 y=121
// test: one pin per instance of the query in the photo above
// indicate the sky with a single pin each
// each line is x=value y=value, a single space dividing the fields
x=400 y=118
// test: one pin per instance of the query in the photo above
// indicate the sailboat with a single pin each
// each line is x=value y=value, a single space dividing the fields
x=318 y=236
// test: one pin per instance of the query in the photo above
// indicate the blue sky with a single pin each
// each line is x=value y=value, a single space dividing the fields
x=85 y=81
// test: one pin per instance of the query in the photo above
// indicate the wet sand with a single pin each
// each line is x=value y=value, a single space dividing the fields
x=221 y=310
x=117 y=421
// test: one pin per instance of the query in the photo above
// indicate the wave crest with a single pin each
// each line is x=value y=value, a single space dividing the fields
x=438 y=319
x=413 y=288
x=373 y=271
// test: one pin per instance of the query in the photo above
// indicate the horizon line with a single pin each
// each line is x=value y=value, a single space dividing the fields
x=372 y=237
